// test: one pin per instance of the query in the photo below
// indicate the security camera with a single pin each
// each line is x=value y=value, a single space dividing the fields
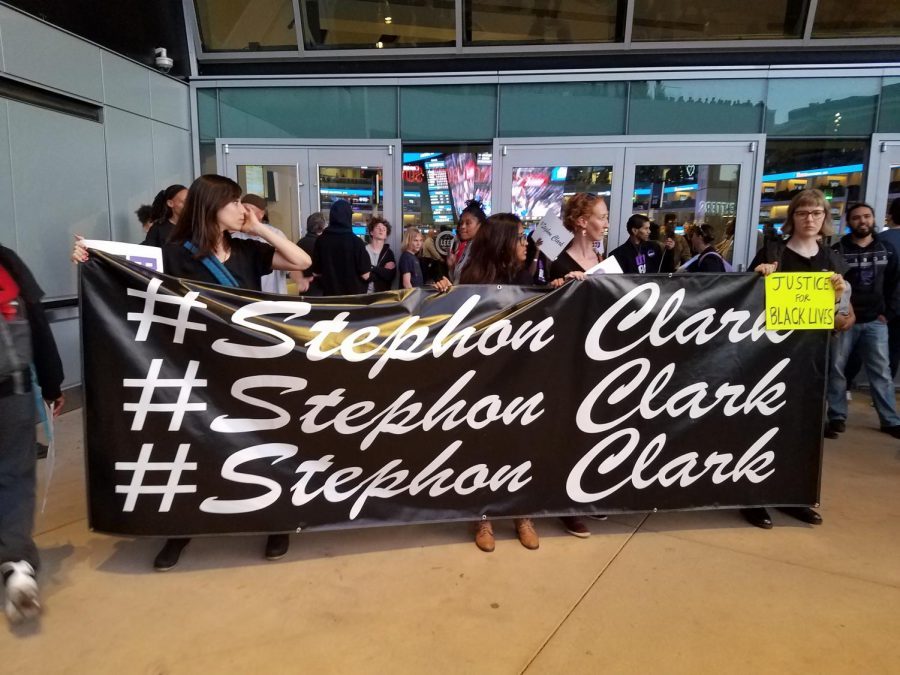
x=162 y=61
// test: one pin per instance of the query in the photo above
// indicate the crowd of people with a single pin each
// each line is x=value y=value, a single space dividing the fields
x=209 y=232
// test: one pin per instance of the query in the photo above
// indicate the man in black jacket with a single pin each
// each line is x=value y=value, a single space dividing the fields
x=638 y=255
x=872 y=270
x=25 y=337
x=340 y=261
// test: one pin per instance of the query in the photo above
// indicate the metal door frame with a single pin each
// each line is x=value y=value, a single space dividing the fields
x=883 y=154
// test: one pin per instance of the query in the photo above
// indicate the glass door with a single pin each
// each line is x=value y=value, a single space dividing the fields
x=883 y=185
x=539 y=179
x=680 y=185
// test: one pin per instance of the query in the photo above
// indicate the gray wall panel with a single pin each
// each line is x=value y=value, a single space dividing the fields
x=7 y=222
x=59 y=179
x=126 y=85
x=129 y=160
x=34 y=51
x=69 y=345
x=172 y=160
x=170 y=101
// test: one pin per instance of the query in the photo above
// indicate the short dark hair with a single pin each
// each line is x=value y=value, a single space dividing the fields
x=144 y=213
x=636 y=222
x=705 y=232
x=857 y=205
x=894 y=211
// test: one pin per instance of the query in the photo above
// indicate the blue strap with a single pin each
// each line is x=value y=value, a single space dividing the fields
x=215 y=266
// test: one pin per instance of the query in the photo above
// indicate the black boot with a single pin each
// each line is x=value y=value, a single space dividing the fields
x=758 y=517
x=804 y=513
x=277 y=546
x=168 y=557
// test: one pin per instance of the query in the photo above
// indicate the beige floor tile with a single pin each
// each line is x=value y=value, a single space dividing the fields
x=667 y=605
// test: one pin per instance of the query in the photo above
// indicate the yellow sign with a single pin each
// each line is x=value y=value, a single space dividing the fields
x=799 y=301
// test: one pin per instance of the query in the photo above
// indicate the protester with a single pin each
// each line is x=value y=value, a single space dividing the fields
x=144 y=218
x=587 y=217
x=638 y=255
x=384 y=265
x=808 y=219
x=681 y=249
x=315 y=225
x=25 y=338
x=702 y=244
x=276 y=280
x=470 y=221
x=340 y=260
x=497 y=256
x=891 y=234
x=165 y=212
x=410 y=270
x=873 y=272
x=201 y=248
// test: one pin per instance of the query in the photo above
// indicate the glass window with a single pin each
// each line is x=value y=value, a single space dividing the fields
x=661 y=20
x=696 y=106
x=208 y=114
x=308 y=112
x=488 y=22
x=835 y=167
x=889 y=115
x=208 y=158
x=834 y=18
x=822 y=106
x=448 y=112
x=246 y=25
x=563 y=109
x=378 y=24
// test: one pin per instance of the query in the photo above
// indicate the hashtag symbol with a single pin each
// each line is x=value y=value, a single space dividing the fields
x=143 y=465
x=148 y=317
x=153 y=382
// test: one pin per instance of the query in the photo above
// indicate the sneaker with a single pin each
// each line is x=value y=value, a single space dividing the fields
x=277 y=546
x=829 y=432
x=893 y=431
x=484 y=536
x=575 y=527
x=849 y=396
x=168 y=557
x=22 y=601
x=597 y=516
x=527 y=535
x=838 y=426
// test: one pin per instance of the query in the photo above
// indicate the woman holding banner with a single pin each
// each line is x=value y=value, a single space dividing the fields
x=808 y=221
x=201 y=248
x=496 y=255
x=586 y=215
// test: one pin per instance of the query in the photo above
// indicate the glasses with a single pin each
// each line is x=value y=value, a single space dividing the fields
x=522 y=238
x=815 y=213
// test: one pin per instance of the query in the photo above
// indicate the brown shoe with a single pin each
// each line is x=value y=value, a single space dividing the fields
x=484 y=536
x=527 y=536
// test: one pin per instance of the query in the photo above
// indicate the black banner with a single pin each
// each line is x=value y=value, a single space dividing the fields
x=215 y=410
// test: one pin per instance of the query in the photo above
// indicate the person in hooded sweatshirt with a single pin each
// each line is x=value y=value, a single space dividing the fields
x=340 y=259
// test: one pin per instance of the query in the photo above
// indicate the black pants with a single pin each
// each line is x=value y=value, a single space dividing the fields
x=18 y=462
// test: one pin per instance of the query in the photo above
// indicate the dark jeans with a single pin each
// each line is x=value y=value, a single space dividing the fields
x=854 y=363
x=18 y=462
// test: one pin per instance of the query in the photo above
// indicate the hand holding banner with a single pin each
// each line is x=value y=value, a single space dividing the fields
x=799 y=301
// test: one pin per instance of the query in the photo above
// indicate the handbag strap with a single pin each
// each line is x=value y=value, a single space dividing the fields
x=215 y=266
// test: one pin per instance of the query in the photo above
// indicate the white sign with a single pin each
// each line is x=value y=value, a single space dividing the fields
x=608 y=266
x=553 y=235
x=148 y=256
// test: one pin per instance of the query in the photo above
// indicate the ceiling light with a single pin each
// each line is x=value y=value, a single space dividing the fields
x=388 y=19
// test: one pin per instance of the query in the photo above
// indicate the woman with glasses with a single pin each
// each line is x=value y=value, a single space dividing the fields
x=496 y=255
x=808 y=222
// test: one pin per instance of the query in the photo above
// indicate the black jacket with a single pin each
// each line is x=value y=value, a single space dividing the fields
x=159 y=233
x=46 y=357
x=382 y=278
x=340 y=257
x=872 y=273
x=645 y=258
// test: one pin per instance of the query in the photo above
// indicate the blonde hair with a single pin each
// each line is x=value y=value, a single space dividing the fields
x=409 y=235
x=809 y=198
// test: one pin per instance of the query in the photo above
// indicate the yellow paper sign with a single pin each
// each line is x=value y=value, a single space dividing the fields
x=799 y=301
